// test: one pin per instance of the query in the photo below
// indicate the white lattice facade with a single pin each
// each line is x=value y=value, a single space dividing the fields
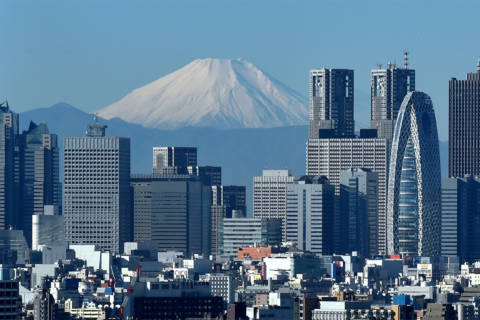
x=414 y=187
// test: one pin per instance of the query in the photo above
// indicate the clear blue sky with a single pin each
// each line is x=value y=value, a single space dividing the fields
x=91 y=53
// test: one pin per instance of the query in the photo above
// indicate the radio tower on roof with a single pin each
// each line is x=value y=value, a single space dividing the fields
x=405 y=59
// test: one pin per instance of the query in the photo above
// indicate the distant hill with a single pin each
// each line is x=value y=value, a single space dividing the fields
x=242 y=153
x=214 y=93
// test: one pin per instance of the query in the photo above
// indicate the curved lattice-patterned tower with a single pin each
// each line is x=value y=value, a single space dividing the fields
x=413 y=207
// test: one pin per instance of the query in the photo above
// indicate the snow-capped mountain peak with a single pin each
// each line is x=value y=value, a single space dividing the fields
x=218 y=93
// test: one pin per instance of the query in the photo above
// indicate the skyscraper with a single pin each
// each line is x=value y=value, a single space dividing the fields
x=9 y=167
x=172 y=211
x=270 y=195
x=97 y=189
x=389 y=87
x=237 y=232
x=359 y=211
x=413 y=225
x=210 y=175
x=331 y=102
x=461 y=218
x=173 y=160
x=310 y=211
x=39 y=173
x=464 y=126
x=225 y=199
x=329 y=157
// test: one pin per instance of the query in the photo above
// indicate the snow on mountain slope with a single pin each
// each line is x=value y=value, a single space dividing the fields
x=217 y=93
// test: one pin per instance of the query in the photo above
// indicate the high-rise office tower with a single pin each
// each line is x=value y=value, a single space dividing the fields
x=359 y=211
x=413 y=225
x=173 y=160
x=9 y=167
x=239 y=231
x=97 y=189
x=388 y=88
x=461 y=218
x=173 y=211
x=310 y=211
x=331 y=103
x=270 y=195
x=48 y=228
x=210 y=175
x=464 y=126
x=225 y=199
x=329 y=157
x=39 y=173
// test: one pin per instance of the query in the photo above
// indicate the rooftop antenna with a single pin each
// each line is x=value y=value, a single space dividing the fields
x=379 y=65
x=405 y=59
x=478 y=65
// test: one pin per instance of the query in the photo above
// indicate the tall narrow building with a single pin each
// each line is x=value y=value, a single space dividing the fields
x=173 y=160
x=413 y=226
x=9 y=167
x=331 y=103
x=225 y=199
x=270 y=195
x=97 y=189
x=310 y=211
x=388 y=88
x=359 y=211
x=39 y=174
x=461 y=218
x=464 y=126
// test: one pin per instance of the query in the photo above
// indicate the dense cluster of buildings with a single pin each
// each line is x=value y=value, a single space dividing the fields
x=369 y=231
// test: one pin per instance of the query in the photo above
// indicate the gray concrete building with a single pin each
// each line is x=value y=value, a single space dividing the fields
x=223 y=285
x=331 y=102
x=96 y=189
x=329 y=157
x=48 y=228
x=173 y=160
x=358 y=214
x=464 y=126
x=310 y=214
x=270 y=195
x=172 y=211
x=239 y=232
x=388 y=88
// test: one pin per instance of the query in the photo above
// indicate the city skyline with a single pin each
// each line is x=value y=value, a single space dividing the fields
x=54 y=49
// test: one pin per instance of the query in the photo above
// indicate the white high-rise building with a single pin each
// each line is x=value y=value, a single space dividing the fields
x=97 y=189
x=270 y=195
x=329 y=157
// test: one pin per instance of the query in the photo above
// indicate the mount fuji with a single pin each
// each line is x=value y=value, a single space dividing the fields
x=214 y=93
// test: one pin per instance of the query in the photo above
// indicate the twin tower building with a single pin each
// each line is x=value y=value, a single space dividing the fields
x=401 y=147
